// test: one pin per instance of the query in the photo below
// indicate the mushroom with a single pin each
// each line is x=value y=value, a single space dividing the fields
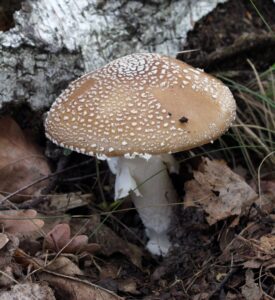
x=135 y=112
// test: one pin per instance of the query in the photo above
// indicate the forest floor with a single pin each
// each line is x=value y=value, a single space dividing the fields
x=63 y=244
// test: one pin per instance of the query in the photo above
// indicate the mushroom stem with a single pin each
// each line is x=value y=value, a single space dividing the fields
x=152 y=193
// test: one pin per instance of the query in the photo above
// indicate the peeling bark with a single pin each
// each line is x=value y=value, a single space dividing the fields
x=54 y=41
x=35 y=76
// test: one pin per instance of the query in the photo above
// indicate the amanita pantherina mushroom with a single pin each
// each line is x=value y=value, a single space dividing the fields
x=134 y=112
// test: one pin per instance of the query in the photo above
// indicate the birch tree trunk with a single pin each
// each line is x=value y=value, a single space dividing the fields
x=55 y=41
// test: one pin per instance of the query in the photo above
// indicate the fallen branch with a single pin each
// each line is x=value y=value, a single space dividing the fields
x=244 y=43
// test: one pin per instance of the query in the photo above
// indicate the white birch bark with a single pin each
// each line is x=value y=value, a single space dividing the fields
x=55 y=41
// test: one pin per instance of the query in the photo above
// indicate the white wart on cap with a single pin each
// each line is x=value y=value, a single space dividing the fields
x=140 y=103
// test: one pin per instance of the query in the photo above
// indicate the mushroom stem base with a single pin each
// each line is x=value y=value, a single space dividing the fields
x=152 y=193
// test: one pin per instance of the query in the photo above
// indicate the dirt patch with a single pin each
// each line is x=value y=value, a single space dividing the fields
x=231 y=34
x=7 y=9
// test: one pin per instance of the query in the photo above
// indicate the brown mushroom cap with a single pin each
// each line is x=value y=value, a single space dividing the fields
x=140 y=103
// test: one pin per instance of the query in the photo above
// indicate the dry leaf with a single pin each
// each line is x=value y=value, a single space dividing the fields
x=252 y=264
x=267 y=188
x=78 y=243
x=201 y=296
x=64 y=266
x=251 y=252
x=267 y=244
x=76 y=290
x=60 y=236
x=267 y=200
x=3 y=240
x=21 y=161
x=111 y=243
x=61 y=264
x=64 y=282
x=64 y=202
x=251 y=290
x=231 y=296
x=8 y=279
x=109 y=270
x=20 y=221
x=128 y=285
x=263 y=249
x=270 y=265
x=7 y=252
x=218 y=191
x=57 y=238
x=29 y=291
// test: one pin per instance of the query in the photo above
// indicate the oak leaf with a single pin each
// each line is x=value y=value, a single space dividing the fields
x=219 y=191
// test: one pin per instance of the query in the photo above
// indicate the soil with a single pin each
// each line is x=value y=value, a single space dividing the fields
x=7 y=8
x=196 y=268
x=229 y=26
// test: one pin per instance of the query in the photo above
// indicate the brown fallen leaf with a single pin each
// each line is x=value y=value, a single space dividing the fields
x=57 y=238
x=267 y=200
x=30 y=291
x=231 y=296
x=251 y=290
x=3 y=240
x=111 y=243
x=61 y=274
x=7 y=277
x=218 y=191
x=128 y=285
x=262 y=249
x=61 y=265
x=9 y=245
x=109 y=270
x=21 y=161
x=60 y=237
x=20 y=221
x=267 y=244
x=262 y=253
x=64 y=266
x=252 y=252
x=7 y=251
x=64 y=202
x=201 y=296
x=75 y=289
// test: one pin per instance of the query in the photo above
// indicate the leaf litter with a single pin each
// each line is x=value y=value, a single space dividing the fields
x=20 y=221
x=59 y=239
x=219 y=191
x=223 y=234
x=21 y=161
